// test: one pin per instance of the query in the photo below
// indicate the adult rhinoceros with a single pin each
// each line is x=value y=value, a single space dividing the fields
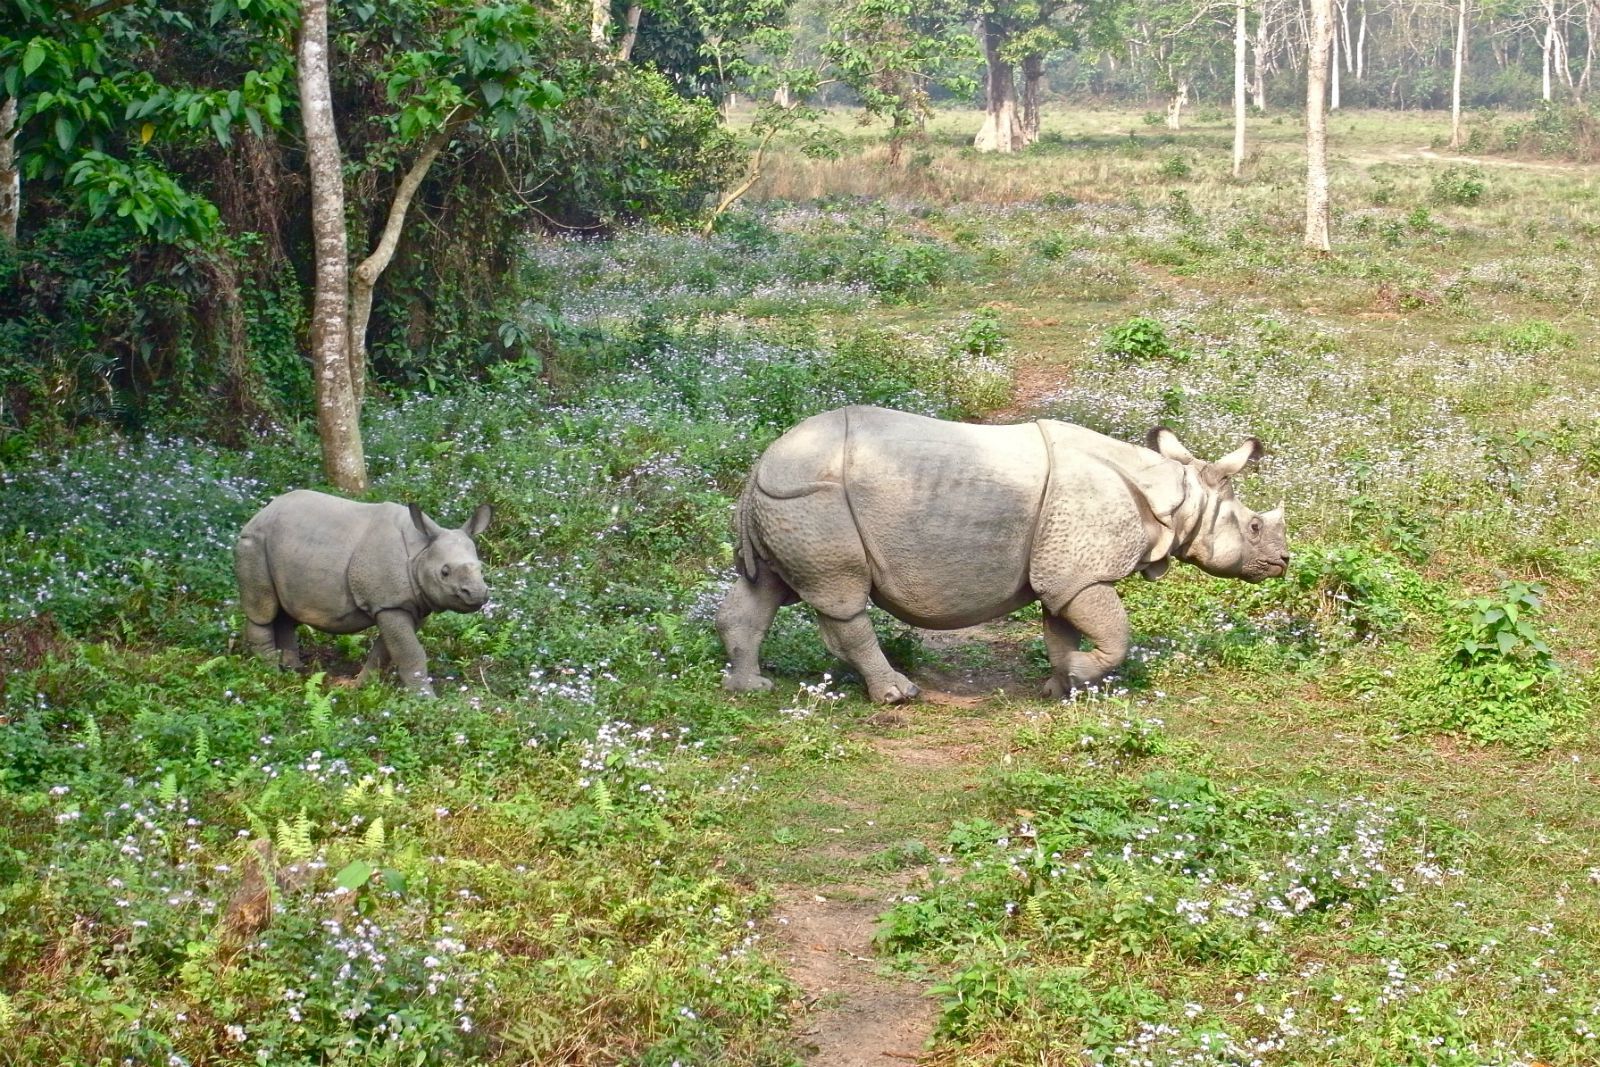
x=944 y=525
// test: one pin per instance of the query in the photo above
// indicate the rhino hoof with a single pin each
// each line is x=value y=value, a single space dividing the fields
x=752 y=683
x=899 y=692
x=1054 y=690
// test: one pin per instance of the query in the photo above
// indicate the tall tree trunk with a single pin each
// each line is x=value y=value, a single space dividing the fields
x=1002 y=126
x=1333 y=71
x=1344 y=39
x=1549 y=45
x=10 y=176
x=631 y=35
x=365 y=278
x=1590 y=27
x=1361 y=42
x=600 y=21
x=338 y=411
x=1455 y=85
x=1263 y=54
x=1032 y=76
x=1317 y=210
x=1180 y=97
x=1240 y=38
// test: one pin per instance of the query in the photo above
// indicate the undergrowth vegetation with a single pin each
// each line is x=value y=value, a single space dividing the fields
x=1342 y=818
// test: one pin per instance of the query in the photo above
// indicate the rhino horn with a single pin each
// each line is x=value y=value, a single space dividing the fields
x=1166 y=442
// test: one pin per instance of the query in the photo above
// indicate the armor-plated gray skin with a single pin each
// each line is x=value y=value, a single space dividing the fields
x=945 y=524
x=340 y=566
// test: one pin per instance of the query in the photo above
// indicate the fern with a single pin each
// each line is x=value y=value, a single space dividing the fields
x=373 y=839
x=167 y=791
x=202 y=747
x=356 y=792
x=603 y=804
x=91 y=735
x=293 y=839
x=319 y=705
x=8 y=1014
x=1031 y=919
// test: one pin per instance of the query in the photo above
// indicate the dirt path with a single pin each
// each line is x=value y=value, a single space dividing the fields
x=1425 y=154
x=856 y=1017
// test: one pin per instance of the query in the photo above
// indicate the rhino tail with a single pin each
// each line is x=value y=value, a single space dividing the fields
x=747 y=542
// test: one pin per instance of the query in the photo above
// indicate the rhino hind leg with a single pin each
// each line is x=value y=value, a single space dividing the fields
x=1096 y=613
x=258 y=599
x=853 y=641
x=743 y=620
x=286 y=640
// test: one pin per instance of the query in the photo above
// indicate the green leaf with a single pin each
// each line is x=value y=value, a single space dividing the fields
x=354 y=875
x=33 y=58
x=66 y=132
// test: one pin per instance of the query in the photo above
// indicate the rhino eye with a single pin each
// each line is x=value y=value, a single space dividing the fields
x=445 y=570
x=1255 y=527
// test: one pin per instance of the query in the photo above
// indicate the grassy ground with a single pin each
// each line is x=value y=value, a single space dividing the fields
x=1344 y=818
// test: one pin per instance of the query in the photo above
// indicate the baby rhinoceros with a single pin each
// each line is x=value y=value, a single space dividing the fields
x=340 y=566
x=946 y=525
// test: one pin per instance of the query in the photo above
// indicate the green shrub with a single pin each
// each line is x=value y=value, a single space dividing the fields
x=1495 y=678
x=1458 y=185
x=1142 y=339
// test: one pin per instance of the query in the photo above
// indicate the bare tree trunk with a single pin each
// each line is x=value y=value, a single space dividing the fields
x=600 y=21
x=1344 y=38
x=1263 y=52
x=1590 y=27
x=1317 y=210
x=10 y=176
x=1455 y=85
x=1002 y=126
x=1361 y=42
x=631 y=34
x=1563 y=60
x=1240 y=37
x=338 y=410
x=365 y=278
x=1333 y=103
x=1180 y=97
x=1032 y=76
x=1549 y=45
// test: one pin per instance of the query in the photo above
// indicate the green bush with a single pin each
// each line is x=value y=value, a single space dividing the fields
x=1495 y=679
x=1458 y=185
x=1142 y=339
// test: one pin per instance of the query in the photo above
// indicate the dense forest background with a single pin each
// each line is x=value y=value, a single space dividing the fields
x=157 y=257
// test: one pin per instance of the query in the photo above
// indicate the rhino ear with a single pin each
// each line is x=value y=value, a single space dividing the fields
x=1166 y=442
x=425 y=526
x=480 y=520
x=1236 y=461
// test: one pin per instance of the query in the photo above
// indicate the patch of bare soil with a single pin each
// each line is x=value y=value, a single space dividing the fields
x=1401 y=155
x=1033 y=384
x=855 y=1017
x=997 y=666
x=917 y=752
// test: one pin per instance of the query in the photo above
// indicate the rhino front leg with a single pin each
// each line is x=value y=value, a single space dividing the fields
x=853 y=641
x=377 y=661
x=743 y=620
x=398 y=632
x=1096 y=613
